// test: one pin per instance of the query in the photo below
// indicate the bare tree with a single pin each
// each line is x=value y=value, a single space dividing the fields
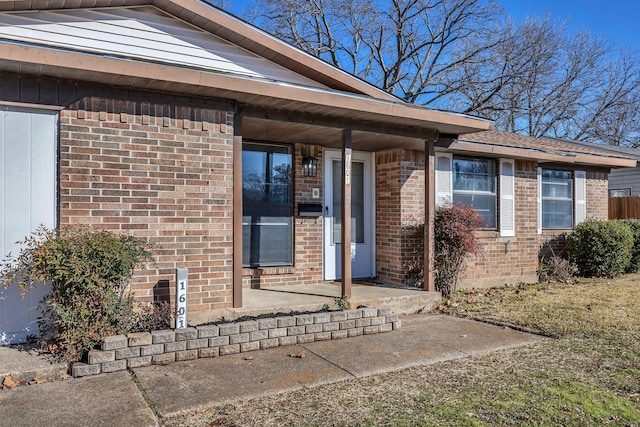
x=541 y=81
x=406 y=47
x=531 y=77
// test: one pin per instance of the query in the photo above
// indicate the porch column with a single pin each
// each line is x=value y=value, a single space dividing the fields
x=237 y=211
x=429 y=210
x=345 y=218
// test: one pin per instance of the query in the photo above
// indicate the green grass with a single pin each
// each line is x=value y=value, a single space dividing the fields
x=588 y=374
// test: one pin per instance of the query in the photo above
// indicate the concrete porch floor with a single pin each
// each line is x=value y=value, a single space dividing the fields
x=315 y=297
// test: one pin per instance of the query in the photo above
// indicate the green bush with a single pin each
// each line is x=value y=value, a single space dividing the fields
x=601 y=248
x=87 y=272
x=634 y=265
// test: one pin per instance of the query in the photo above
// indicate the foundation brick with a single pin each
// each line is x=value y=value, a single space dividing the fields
x=292 y=340
x=139 y=339
x=238 y=338
x=218 y=341
x=186 y=355
x=116 y=365
x=125 y=353
x=83 y=370
x=305 y=338
x=250 y=346
x=151 y=350
x=267 y=323
x=208 y=331
x=186 y=334
x=229 y=349
x=163 y=359
x=229 y=329
x=284 y=322
x=136 y=362
x=98 y=356
x=114 y=342
x=209 y=352
x=249 y=326
x=162 y=337
x=336 y=335
x=170 y=347
x=323 y=336
x=197 y=343
x=269 y=343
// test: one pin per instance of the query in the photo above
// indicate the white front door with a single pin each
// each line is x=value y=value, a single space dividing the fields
x=27 y=199
x=362 y=214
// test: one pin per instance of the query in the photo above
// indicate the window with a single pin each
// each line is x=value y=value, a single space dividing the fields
x=474 y=184
x=267 y=195
x=621 y=192
x=557 y=199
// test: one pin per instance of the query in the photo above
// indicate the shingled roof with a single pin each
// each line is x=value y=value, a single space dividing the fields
x=541 y=149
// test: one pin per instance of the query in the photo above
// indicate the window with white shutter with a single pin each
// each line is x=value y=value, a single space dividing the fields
x=580 y=197
x=443 y=179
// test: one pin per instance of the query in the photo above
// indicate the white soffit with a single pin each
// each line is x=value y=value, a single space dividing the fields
x=141 y=33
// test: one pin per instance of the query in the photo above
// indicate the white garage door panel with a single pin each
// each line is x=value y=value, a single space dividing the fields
x=27 y=199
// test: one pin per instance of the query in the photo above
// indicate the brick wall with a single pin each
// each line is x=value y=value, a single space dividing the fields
x=161 y=172
x=388 y=217
x=510 y=259
x=597 y=195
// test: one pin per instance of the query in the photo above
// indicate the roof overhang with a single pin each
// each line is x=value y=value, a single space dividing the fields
x=542 y=156
x=60 y=63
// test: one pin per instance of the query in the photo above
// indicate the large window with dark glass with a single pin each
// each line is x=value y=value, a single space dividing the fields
x=267 y=194
x=557 y=199
x=474 y=184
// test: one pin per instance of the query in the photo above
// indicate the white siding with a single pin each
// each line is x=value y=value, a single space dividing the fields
x=620 y=179
x=27 y=199
x=507 y=195
x=142 y=33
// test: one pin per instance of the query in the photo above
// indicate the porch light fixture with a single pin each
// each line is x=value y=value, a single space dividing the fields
x=310 y=166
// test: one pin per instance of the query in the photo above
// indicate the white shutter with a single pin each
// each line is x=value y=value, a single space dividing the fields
x=444 y=179
x=539 y=200
x=507 y=193
x=580 y=197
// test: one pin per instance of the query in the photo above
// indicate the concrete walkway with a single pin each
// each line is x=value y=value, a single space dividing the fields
x=127 y=398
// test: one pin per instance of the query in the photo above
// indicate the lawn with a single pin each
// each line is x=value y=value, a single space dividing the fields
x=588 y=374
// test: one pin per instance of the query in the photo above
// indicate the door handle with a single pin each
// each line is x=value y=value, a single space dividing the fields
x=326 y=211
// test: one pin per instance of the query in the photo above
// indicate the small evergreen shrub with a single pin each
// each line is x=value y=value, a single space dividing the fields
x=634 y=265
x=87 y=272
x=601 y=248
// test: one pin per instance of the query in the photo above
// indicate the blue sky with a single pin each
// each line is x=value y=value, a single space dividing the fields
x=617 y=20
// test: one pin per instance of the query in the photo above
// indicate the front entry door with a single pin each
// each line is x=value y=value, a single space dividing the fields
x=362 y=214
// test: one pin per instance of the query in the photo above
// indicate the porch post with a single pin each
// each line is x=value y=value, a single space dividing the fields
x=237 y=210
x=345 y=230
x=429 y=210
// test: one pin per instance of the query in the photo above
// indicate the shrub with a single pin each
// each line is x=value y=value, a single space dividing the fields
x=88 y=272
x=601 y=248
x=634 y=265
x=454 y=239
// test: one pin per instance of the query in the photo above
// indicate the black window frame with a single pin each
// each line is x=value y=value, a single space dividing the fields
x=271 y=216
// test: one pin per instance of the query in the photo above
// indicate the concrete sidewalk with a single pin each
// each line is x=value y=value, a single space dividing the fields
x=126 y=398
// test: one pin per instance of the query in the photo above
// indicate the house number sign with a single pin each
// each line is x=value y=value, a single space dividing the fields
x=182 y=284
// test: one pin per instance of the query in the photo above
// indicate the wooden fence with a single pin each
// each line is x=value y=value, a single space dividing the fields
x=624 y=207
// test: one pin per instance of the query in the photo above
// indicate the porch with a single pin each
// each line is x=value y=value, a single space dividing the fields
x=325 y=295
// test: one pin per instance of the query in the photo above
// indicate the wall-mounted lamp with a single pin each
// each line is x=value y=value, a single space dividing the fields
x=310 y=166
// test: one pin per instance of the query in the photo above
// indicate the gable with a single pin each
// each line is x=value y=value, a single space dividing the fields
x=142 y=33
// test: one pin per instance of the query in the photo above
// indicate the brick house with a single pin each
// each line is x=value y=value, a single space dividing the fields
x=241 y=156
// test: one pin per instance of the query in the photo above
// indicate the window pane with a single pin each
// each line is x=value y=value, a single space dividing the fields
x=267 y=225
x=474 y=184
x=357 y=202
x=254 y=176
x=557 y=199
